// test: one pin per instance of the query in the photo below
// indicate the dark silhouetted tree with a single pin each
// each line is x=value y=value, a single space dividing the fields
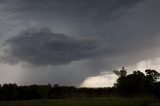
x=121 y=73
x=136 y=83
x=152 y=75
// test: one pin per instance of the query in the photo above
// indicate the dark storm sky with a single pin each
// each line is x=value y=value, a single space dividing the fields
x=67 y=41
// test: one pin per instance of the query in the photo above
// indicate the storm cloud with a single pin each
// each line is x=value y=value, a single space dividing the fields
x=40 y=46
x=82 y=38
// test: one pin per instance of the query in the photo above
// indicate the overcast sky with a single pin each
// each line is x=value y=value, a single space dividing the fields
x=76 y=42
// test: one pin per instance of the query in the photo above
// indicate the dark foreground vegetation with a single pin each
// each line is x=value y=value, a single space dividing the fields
x=98 y=101
x=136 y=84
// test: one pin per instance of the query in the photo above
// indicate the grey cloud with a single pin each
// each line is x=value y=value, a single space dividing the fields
x=80 y=17
x=82 y=6
x=77 y=10
x=105 y=33
x=40 y=46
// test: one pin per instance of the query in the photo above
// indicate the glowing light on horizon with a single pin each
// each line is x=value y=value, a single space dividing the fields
x=100 y=81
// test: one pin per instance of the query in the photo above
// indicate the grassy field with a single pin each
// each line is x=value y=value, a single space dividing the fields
x=109 y=101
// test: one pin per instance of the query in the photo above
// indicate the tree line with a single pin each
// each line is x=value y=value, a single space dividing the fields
x=14 y=92
x=128 y=85
x=138 y=83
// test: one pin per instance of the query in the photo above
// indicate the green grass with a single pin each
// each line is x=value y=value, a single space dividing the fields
x=109 y=101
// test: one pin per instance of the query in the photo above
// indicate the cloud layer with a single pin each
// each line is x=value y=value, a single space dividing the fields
x=82 y=38
x=40 y=46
